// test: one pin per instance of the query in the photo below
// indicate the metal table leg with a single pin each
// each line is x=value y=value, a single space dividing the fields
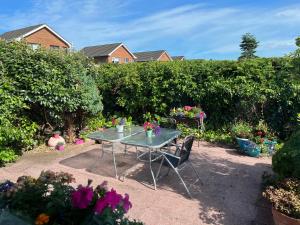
x=114 y=159
x=150 y=162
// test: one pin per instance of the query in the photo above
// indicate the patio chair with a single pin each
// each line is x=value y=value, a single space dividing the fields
x=179 y=160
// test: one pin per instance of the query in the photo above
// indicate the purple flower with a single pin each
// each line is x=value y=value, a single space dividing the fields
x=100 y=205
x=111 y=199
x=82 y=197
x=126 y=203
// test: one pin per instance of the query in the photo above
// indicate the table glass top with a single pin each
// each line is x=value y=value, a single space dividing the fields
x=156 y=141
x=112 y=135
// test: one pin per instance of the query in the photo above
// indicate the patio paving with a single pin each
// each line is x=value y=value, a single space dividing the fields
x=230 y=192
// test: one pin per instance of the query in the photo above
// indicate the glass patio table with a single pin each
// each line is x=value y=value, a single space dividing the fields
x=153 y=143
x=112 y=136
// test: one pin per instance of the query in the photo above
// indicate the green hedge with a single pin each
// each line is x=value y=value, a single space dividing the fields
x=227 y=90
x=286 y=162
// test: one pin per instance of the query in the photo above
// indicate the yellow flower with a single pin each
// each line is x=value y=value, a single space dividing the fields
x=42 y=219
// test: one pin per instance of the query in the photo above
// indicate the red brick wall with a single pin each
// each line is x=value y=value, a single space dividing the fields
x=121 y=53
x=45 y=38
x=164 y=57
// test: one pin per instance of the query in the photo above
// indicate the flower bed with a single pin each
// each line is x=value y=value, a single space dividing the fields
x=50 y=199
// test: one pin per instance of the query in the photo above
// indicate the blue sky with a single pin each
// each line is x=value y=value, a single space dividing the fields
x=209 y=29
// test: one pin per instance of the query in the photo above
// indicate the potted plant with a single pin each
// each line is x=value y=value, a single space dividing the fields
x=285 y=199
x=60 y=146
x=148 y=128
x=52 y=199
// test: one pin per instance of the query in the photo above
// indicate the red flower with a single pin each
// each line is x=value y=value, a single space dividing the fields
x=187 y=108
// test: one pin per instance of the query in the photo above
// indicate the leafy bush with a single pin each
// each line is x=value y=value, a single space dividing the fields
x=7 y=155
x=285 y=197
x=246 y=90
x=286 y=161
x=242 y=130
x=50 y=199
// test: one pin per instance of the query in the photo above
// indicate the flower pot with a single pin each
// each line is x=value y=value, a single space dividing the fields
x=60 y=147
x=79 y=141
x=281 y=219
x=120 y=128
x=149 y=133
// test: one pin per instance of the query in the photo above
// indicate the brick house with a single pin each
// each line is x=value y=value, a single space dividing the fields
x=178 y=58
x=109 y=53
x=37 y=36
x=160 y=55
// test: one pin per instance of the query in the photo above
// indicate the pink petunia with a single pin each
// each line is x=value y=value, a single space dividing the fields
x=126 y=203
x=113 y=198
x=101 y=204
x=82 y=197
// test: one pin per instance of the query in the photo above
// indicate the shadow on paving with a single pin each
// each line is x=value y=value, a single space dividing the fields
x=230 y=192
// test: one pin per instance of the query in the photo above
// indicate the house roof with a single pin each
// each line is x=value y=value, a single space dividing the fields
x=103 y=50
x=180 y=57
x=24 y=32
x=150 y=55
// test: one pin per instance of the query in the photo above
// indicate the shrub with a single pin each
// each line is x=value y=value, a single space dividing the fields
x=7 y=155
x=286 y=161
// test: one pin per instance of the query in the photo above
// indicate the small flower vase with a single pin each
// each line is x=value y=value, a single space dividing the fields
x=157 y=130
x=60 y=147
x=149 y=133
x=120 y=128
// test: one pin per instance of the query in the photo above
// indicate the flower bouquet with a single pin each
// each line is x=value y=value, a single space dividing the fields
x=50 y=199
x=152 y=124
x=119 y=123
x=189 y=112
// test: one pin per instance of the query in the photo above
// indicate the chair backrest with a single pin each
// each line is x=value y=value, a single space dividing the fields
x=169 y=123
x=186 y=148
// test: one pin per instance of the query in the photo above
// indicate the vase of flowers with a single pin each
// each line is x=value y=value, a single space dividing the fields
x=148 y=127
x=119 y=123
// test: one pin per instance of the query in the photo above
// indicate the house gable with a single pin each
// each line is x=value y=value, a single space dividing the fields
x=122 y=53
x=45 y=38
x=164 y=57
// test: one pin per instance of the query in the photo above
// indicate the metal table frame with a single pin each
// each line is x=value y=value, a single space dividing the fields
x=97 y=136
x=151 y=149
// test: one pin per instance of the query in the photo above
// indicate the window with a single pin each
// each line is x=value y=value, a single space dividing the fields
x=126 y=60
x=54 y=47
x=34 y=46
x=115 y=60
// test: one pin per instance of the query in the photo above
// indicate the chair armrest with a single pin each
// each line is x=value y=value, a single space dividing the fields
x=171 y=155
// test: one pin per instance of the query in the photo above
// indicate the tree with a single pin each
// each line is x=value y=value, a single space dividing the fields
x=298 y=42
x=248 y=46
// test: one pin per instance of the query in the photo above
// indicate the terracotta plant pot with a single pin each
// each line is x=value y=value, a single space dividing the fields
x=281 y=219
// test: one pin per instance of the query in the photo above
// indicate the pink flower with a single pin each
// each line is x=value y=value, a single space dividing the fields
x=126 y=203
x=187 y=108
x=100 y=205
x=82 y=197
x=111 y=199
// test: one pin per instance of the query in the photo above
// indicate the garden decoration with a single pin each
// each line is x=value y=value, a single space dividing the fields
x=51 y=199
x=55 y=139
x=285 y=199
x=119 y=123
